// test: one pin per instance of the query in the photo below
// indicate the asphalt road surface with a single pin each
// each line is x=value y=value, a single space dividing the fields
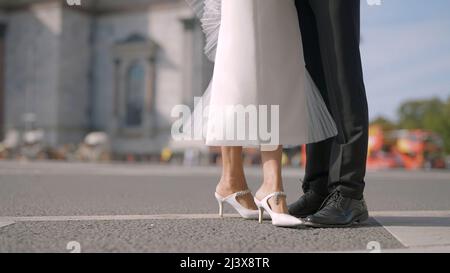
x=64 y=207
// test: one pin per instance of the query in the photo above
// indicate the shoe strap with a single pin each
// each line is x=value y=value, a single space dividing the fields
x=235 y=195
x=241 y=193
x=277 y=195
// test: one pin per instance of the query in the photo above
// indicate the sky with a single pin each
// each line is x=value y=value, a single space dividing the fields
x=405 y=52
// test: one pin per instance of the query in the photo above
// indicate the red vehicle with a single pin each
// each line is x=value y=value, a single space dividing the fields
x=380 y=155
x=409 y=149
x=419 y=149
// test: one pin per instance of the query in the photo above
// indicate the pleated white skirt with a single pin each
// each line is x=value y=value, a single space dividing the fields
x=259 y=64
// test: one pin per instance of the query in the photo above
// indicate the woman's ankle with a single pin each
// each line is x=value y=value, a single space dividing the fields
x=229 y=184
x=277 y=203
x=268 y=188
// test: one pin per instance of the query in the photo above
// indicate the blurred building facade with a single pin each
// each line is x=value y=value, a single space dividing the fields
x=117 y=66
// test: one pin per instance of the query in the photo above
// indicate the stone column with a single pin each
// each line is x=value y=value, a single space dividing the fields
x=189 y=26
x=150 y=125
x=120 y=67
x=2 y=81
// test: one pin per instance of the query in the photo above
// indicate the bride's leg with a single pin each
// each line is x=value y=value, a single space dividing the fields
x=233 y=177
x=271 y=163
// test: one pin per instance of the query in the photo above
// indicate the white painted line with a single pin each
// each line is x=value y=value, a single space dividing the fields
x=112 y=217
x=5 y=223
x=417 y=229
x=411 y=213
x=425 y=249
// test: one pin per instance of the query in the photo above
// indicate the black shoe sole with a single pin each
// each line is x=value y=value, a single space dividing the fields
x=303 y=216
x=358 y=220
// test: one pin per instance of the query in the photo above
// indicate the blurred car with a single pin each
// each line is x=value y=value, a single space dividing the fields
x=409 y=149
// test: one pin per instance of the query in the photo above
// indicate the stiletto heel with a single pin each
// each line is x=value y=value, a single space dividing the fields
x=260 y=210
x=260 y=218
x=220 y=207
x=232 y=200
x=278 y=219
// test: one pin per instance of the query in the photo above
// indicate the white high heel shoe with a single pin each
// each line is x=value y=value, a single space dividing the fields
x=243 y=211
x=278 y=219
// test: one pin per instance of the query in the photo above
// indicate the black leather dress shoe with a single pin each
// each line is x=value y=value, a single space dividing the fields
x=339 y=211
x=306 y=205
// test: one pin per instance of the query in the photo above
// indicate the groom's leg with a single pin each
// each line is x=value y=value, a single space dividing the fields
x=317 y=154
x=338 y=27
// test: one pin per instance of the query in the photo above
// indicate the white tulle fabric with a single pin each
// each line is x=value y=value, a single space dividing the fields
x=209 y=12
x=258 y=54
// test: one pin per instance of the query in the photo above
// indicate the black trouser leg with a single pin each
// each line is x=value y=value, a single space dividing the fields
x=318 y=155
x=330 y=32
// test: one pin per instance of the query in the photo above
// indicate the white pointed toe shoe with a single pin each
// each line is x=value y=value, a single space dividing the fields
x=278 y=219
x=243 y=211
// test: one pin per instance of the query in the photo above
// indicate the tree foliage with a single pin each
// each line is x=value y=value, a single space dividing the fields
x=431 y=115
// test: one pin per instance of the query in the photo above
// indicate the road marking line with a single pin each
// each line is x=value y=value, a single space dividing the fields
x=375 y=214
x=420 y=249
x=417 y=228
x=411 y=213
x=112 y=217
x=6 y=223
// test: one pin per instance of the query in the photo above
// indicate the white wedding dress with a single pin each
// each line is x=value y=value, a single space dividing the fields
x=258 y=54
